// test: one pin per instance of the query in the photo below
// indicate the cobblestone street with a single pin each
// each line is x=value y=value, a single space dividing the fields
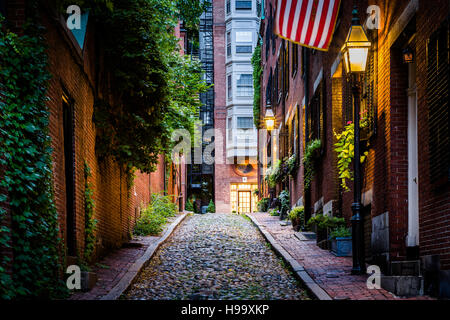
x=215 y=256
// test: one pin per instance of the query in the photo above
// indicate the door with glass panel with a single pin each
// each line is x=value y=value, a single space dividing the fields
x=244 y=202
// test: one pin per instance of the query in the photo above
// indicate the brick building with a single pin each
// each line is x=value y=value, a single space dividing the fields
x=405 y=183
x=75 y=64
x=235 y=37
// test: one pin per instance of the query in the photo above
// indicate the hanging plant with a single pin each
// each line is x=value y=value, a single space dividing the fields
x=311 y=154
x=345 y=150
x=292 y=165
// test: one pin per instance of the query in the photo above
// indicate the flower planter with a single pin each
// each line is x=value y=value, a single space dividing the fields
x=342 y=247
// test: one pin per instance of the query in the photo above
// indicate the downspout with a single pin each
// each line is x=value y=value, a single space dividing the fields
x=307 y=192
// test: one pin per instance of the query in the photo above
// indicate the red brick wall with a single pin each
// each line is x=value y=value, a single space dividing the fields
x=434 y=205
x=385 y=170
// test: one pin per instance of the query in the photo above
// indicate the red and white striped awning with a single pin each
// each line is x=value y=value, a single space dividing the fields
x=309 y=23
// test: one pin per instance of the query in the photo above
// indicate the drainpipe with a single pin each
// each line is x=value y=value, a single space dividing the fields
x=307 y=193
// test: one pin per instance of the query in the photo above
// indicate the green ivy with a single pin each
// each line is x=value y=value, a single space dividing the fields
x=311 y=154
x=257 y=71
x=345 y=149
x=25 y=153
x=89 y=221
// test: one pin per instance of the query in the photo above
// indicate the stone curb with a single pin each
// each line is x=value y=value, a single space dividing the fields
x=298 y=269
x=143 y=261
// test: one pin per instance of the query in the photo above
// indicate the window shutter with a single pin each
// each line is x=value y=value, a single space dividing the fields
x=438 y=80
x=347 y=100
x=369 y=101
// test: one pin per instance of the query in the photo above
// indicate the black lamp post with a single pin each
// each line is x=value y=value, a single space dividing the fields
x=355 y=52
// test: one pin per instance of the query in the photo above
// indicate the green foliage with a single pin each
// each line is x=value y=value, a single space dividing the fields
x=340 y=232
x=257 y=71
x=324 y=222
x=291 y=164
x=311 y=154
x=89 y=221
x=274 y=174
x=154 y=217
x=297 y=213
x=263 y=204
x=155 y=88
x=345 y=150
x=25 y=155
x=211 y=207
x=274 y=212
x=285 y=202
x=189 y=206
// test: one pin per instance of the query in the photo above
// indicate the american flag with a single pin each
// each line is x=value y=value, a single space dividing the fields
x=309 y=23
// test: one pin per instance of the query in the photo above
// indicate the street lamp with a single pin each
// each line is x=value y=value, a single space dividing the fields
x=269 y=118
x=355 y=52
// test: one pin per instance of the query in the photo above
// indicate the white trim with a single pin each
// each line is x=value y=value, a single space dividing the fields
x=367 y=197
x=335 y=64
x=318 y=79
x=303 y=102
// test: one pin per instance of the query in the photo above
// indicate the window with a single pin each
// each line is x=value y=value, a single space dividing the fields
x=304 y=53
x=244 y=122
x=279 y=71
x=228 y=6
x=228 y=44
x=286 y=74
x=294 y=59
x=438 y=82
x=244 y=40
x=316 y=115
x=243 y=49
x=229 y=85
x=277 y=82
x=230 y=127
x=244 y=85
x=258 y=8
x=243 y=5
x=268 y=31
x=269 y=88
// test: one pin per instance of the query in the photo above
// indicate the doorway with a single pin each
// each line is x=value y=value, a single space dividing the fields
x=413 y=183
x=244 y=202
x=68 y=131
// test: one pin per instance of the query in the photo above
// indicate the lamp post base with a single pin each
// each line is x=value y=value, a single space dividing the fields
x=359 y=266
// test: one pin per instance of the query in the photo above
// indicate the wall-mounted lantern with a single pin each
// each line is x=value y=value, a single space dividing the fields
x=408 y=55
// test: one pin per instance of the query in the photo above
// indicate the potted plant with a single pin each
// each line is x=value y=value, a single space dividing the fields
x=341 y=242
x=297 y=216
x=323 y=224
x=263 y=204
x=284 y=203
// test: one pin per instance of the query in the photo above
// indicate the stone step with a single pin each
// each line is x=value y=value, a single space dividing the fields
x=403 y=286
x=405 y=268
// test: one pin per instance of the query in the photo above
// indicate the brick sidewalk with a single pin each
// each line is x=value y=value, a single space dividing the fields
x=117 y=263
x=114 y=267
x=331 y=273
